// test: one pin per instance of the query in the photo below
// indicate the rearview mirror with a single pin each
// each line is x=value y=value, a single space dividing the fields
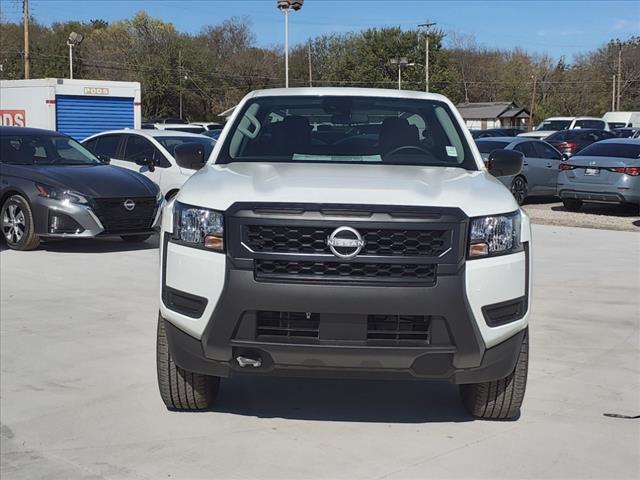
x=189 y=155
x=503 y=163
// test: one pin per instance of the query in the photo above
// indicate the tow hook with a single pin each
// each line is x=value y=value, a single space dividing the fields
x=249 y=362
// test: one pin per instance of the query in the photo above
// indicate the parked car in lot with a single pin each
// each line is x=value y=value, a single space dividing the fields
x=605 y=172
x=214 y=134
x=151 y=153
x=622 y=119
x=554 y=124
x=496 y=132
x=625 y=132
x=570 y=142
x=378 y=246
x=539 y=174
x=51 y=186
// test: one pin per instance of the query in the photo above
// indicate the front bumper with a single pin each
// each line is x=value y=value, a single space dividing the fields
x=600 y=195
x=212 y=319
x=89 y=225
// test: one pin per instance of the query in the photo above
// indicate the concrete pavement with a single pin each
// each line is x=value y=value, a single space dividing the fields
x=79 y=397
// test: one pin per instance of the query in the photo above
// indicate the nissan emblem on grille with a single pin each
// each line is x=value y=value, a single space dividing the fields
x=345 y=242
x=129 y=205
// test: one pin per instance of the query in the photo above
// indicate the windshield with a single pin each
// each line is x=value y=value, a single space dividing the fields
x=192 y=129
x=487 y=146
x=347 y=129
x=170 y=143
x=44 y=150
x=620 y=150
x=554 y=125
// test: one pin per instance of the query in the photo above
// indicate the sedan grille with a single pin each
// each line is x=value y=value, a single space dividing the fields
x=115 y=218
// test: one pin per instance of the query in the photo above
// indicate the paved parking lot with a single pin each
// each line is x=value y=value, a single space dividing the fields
x=79 y=396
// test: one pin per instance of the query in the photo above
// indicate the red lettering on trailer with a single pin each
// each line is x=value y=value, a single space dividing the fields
x=13 y=118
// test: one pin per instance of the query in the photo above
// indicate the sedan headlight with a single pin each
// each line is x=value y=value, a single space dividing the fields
x=494 y=235
x=60 y=194
x=198 y=227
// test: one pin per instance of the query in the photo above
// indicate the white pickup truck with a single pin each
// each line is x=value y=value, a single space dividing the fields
x=352 y=233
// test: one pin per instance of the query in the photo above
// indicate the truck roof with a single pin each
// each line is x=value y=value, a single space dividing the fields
x=346 y=92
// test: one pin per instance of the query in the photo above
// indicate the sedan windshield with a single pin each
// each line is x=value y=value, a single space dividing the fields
x=170 y=143
x=620 y=150
x=44 y=150
x=488 y=146
x=554 y=125
x=347 y=129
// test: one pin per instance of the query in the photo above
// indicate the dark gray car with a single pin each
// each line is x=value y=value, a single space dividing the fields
x=539 y=175
x=51 y=186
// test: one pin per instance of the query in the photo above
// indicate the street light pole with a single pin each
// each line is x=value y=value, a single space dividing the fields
x=285 y=6
x=70 y=60
x=426 y=26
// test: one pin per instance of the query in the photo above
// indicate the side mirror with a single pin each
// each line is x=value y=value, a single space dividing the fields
x=565 y=157
x=189 y=155
x=104 y=159
x=147 y=162
x=503 y=163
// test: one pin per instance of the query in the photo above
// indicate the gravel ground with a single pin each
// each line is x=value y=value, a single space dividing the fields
x=549 y=211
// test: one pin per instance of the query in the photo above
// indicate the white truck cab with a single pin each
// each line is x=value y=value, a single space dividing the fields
x=553 y=124
x=150 y=152
x=353 y=233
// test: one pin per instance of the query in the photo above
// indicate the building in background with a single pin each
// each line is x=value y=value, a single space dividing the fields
x=78 y=108
x=493 y=115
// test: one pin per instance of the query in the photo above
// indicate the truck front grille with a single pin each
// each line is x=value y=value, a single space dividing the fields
x=398 y=328
x=115 y=218
x=424 y=274
x=378 y=242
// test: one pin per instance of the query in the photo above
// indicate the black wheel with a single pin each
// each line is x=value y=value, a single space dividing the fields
x=135 y=238
x=572 y=204
x=500 y=399
x=519 y=189
x=17 y=224
x=180 y=389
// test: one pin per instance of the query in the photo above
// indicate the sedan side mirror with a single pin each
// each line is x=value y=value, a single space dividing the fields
x=189 y=155
x=104 y=159
x=504 y=163
x=147 y=162
x=565 y=157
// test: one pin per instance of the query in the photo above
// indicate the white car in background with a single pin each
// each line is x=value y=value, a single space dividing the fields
x=150 y=152
x=554 y=124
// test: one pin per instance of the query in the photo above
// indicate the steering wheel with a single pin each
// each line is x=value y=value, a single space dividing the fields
x=409 y=147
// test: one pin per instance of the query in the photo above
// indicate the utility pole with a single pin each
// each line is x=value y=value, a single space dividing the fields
x=533 y=101
x=25 y=21
x=180 y=80
x=309 y=55
x=613 y=94
x=619 y=75
x=426 y=26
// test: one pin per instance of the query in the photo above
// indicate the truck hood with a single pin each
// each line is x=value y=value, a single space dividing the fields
x=90 y=180
x=474 y=192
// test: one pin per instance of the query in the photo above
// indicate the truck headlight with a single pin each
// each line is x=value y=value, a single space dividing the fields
x=60 y=194
x=198 y=227
x=494 y=235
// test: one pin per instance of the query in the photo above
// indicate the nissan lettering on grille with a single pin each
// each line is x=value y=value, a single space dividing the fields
x=345 y=242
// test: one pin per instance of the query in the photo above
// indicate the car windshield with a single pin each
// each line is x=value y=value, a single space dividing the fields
x=347 y=129
x=190 y=129
x=170 y=143
x=488 y=146
x=620 y=150
x=554 y=125
x=44 y=150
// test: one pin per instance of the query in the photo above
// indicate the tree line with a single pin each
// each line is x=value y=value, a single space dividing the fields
x=212 y=70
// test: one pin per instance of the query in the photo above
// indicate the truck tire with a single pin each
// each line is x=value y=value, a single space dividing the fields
x=179 y=388
x=572 y=204
x=17 y=224
x=499 y=399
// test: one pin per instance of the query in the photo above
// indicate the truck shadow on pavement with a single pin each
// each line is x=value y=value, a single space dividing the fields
x=101 y=245
x=341 y=400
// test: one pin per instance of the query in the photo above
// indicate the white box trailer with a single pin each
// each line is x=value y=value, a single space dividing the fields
x=78 y=108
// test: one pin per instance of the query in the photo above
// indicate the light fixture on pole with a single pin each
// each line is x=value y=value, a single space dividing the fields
x=74 y=40
x=285 y=6
x=400 y=62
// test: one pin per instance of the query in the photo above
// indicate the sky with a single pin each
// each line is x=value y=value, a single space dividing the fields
x=558 y=28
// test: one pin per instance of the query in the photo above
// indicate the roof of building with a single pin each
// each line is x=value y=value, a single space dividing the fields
x=482 y=110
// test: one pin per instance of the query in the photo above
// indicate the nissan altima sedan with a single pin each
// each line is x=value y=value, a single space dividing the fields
x=604 y=172
x=539 y=173
x=51 y=186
